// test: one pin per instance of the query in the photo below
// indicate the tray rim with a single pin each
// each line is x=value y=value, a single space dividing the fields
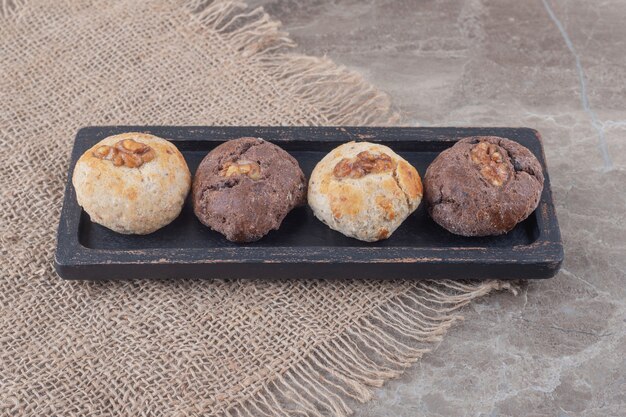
x=70 y=253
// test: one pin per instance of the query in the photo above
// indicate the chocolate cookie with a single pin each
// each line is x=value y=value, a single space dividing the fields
x=245 y=187
x=483 y=185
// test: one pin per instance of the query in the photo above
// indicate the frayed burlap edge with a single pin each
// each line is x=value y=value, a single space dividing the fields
x=370 y=351
x=338 y=95
x=398 y=332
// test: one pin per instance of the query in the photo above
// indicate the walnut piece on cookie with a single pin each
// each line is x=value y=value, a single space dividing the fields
x=126 y=152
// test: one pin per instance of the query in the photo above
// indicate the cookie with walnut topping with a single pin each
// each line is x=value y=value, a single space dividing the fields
x=132 y=183
x=364 y=190
x=483 y=185
x=245 y=187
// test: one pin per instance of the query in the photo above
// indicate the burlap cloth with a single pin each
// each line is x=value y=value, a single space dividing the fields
x=187 y=347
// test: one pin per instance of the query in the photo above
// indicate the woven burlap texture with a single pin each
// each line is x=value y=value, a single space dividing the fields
x=190 y=347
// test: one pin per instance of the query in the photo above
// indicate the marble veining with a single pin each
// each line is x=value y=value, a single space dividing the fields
x=559 y=347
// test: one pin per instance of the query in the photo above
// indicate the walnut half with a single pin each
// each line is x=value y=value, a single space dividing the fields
x=489 y=159
x=242 y=167
x=127 y=152
x=362 y=164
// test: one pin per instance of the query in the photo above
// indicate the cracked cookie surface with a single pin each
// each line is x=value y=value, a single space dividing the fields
x=245 y=187
x=483 y=185
x=364 y=190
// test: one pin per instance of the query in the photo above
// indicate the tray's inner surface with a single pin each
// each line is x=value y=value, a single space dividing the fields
x=301 y=228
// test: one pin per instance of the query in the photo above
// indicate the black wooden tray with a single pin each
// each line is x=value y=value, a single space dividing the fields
x=304 y=247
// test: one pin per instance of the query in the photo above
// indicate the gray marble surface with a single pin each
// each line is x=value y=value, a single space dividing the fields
x=559 y=347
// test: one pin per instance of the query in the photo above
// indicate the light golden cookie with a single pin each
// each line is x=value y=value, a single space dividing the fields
x=364 y=190
x=132 y=183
